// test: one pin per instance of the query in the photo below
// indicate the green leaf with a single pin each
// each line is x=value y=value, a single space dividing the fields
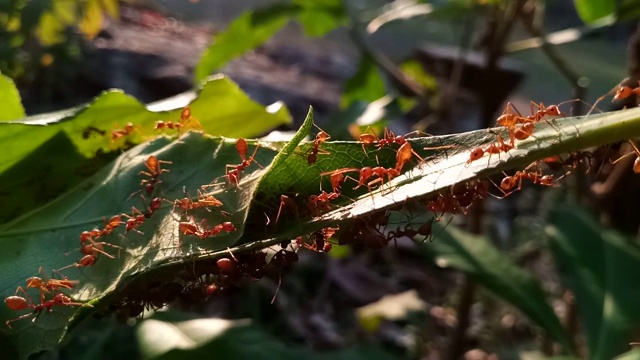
x=599 y=266
x=246 y=32
x=366 y=84
x=219 y=106
x=10 y=99
x=228 y=339
x=477 y=257
x=320 y=17
x=592 y=10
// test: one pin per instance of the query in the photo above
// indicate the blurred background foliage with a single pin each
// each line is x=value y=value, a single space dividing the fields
x=540 y=275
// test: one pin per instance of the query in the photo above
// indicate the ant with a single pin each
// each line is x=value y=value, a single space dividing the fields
x=204 y=201
x=86 y=133
x=510 y=120
x=319 y=240
x=320 y=203
x=89 y=245
x=185 y=119
x=286 y=201
x=636 y=163
x=191 y=228
x=154 y=171
x=321 y=137
x=233 y=175
x=495 y=148
x=136 y=219
x=45 y=285
x=624 y=92
x=119 y=133
x=18 y=303
x=510 y=182
x=424 y=230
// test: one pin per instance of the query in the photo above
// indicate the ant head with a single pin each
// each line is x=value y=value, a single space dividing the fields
x=623 y=92
x=186 y=113
x=546 y=180
x=508 y=183
x=366 y=172
x=636 y=166
x=553 y=110
x=227 y=226
x=367 y=138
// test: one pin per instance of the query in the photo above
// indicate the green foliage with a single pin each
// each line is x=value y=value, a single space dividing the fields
x=226 y=339
x=599 y=266
x=11 y=106
x=29 y=178
x=592 y=10
x=475 y=256
x=46 y=21
x=45 y=235
x=254 y=28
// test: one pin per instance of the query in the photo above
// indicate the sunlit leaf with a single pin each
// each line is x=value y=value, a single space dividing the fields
x=10 y=99
x=84 y=135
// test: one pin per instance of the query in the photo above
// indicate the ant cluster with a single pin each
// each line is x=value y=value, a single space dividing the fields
x=374 y=231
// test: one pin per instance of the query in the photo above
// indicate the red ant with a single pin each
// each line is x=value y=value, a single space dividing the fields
x=624 y=92
x=155 y=170
x=636 y=163
x=18 y=303
x=510 y=120
x=119 y=133
x=320 y=203
x=319 y=240
x=185 y=119
x=233 y=175
x=510 y=182
x=46 y=285
x=460 y=198
x=135 y=220
x=204 y=201
x=191 y=228
x=495 y=148
x=424 y=230
x=321 y=137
